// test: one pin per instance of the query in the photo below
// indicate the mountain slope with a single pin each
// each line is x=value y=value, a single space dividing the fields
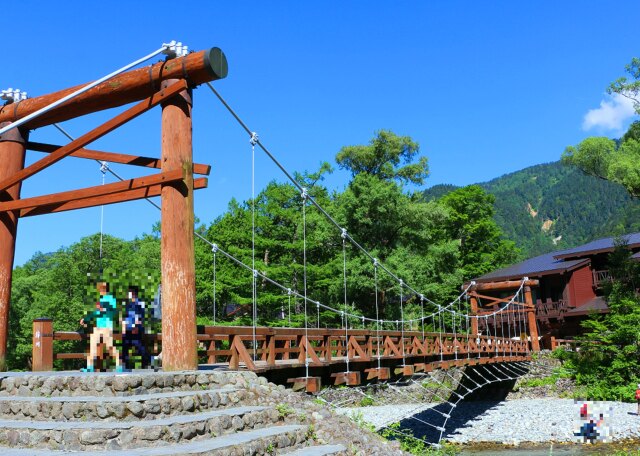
x=550 y=206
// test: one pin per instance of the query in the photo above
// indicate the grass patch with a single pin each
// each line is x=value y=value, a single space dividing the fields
x=414 y=445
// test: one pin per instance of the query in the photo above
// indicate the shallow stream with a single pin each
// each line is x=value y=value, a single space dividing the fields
x=555 y=450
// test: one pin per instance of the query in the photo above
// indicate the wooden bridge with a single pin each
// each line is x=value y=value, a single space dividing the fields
x=380 y=355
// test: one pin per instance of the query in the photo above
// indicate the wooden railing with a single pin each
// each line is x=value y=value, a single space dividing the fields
x=570 y=344
x=551 y=309
x=290 y=347
x=601 y=277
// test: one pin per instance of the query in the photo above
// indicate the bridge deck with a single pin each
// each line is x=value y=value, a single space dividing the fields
x=327 y=350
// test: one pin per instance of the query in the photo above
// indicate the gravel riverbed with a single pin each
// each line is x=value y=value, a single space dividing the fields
x=511 y=422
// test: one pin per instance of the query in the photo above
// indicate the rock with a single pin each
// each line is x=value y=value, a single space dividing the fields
x=152 y=407
x=101 y=411
x=152 y=433
x=120 y=383
x=70 y=410
x=93 y=437
x=136 y=408
x=148 y=381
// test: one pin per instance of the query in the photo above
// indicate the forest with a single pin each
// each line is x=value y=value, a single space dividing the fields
x=576 y=207
x=434 y=245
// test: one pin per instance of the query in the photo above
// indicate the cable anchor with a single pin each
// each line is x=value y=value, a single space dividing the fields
x=174 y=49
x=304 y=193
x=214 y=248
x=11 y=95
x=254 y=138
x=104 y=167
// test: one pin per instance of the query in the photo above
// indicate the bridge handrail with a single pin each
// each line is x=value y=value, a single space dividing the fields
x=232 y=344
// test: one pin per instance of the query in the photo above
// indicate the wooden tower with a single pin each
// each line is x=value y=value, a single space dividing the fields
x=168 y=84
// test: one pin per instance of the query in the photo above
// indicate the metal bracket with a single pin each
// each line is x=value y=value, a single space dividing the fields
x=14 y=135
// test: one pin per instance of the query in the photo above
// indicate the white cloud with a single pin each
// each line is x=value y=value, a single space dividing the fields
x=611 y=114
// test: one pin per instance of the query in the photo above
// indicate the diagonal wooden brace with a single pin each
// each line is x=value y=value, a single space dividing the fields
x=94 y=134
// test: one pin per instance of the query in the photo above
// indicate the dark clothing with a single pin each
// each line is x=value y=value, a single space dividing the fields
x=134 y=316
x=131 y=341
x=133 y=336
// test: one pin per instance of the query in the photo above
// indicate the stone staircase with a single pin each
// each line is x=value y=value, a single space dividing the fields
x=189 y=413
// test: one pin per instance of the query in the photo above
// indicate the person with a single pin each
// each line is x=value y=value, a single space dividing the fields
x=156 y=313
x=638 y=398
x=103 y=319
x=133 y=330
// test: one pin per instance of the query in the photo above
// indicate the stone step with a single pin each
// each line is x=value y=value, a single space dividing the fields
x=141 y=406
x=101 y=434
x=109 y=384
x=262 y=441
x=317 y=450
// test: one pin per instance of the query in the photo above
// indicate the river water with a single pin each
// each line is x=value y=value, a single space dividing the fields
x=557 y=450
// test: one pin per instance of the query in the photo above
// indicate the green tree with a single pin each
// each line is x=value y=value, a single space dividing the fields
x=482 y=244
x=387 y=156
x=629 y=88
x=608 y=159
x=608 y=363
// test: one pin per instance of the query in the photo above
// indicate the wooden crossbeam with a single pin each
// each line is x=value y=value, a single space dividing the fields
x=94 y=134
x=100 y=190
x=113 y=157
x=129 y=195
x=125 y=88
x=381 y=373
x=495 y=300
x=309 y=384
x=507 y=285
x=503 y=312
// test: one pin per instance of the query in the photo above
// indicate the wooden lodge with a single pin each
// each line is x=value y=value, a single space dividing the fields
x=570 y=284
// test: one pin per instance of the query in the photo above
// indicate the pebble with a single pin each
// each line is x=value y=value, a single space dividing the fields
x=511 y=422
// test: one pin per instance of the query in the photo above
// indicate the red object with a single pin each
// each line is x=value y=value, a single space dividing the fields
x=638 y=395
x=583 y=409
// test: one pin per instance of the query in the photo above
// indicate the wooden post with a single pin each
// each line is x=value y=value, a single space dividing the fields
x=42 y=345
x=531 y=317
x=12 y=152
x=473 y=302
x=179 y=338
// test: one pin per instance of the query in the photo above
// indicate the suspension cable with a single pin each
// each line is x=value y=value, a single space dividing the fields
x=82 y=90
x=404 y=359
x=344 y=276
x=103 y=169
x=304 y=196
x=214 y=248
x=301 y=188
x=253 y=141
x=375 y=279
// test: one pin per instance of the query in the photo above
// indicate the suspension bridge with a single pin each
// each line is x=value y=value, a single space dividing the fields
x=493 y=336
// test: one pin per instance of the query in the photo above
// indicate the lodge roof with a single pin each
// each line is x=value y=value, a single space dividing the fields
x=603 y=245
x=533 y=267
x=560 y=261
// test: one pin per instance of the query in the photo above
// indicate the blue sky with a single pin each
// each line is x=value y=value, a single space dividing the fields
x=486 y=88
